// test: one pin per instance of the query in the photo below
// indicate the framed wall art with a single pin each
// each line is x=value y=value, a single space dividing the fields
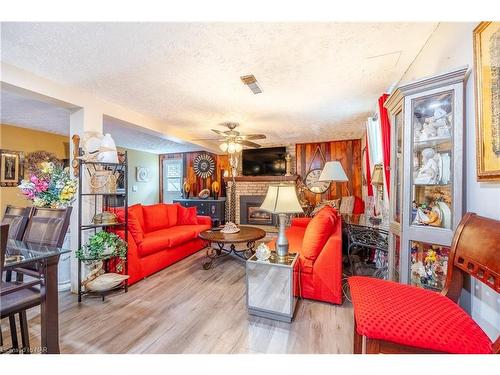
x=11 y=168
x=142 y=174
x=487 y=86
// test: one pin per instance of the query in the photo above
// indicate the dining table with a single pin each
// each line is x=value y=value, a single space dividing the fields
x=21 y=254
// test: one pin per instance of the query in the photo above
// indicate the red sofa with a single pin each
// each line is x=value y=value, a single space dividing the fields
x=319 y=243
x=160 y=235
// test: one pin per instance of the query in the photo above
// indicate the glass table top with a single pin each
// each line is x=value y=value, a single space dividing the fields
x=275 y=260
x=364 y=221
x=20 y=253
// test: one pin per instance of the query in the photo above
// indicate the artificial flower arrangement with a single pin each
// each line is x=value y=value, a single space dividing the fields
x=50 y=187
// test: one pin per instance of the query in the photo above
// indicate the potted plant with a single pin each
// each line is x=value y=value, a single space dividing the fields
x=102 y=245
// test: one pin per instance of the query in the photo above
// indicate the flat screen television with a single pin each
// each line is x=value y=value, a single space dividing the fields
x=264 y=161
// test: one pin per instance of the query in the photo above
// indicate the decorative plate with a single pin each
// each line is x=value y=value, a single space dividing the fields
x=312 y=183
x=204 y=194
x=204 y=165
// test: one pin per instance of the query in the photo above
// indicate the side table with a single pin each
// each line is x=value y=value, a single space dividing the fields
x=272 y=287
x=362 y=234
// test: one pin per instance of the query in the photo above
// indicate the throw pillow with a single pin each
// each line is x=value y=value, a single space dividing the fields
x=187 y=216
x=134 y=227
x=347 y=205
x=155 y=217
x=317 y=232
x=335 y=203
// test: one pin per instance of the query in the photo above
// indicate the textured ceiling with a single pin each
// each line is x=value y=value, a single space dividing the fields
x=320 y=80
x=21 y=110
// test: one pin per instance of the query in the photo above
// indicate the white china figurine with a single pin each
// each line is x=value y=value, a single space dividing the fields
x=429 y=172
x=429 y=130
x=263 y=252
x=443 y=128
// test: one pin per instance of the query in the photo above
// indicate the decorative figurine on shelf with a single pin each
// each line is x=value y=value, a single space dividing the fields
x=427 y=215
x=441 y=123
x=429 y=173
x=263 y=252
x=414 y=209
x=428 y=130
x=185 y=189
x=215 y=189
x=417 y=131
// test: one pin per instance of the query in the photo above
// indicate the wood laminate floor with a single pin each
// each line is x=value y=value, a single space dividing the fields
x=185 y=309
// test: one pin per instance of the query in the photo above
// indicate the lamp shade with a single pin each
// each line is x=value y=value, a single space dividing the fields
x=281 y=199
x=333 y=171
x=378 y=175
x=223 y=146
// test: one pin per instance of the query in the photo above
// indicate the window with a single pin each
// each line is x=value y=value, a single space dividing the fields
x=173 y=176
x=172 y=179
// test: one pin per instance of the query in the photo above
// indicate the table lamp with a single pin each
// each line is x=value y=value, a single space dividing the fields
x=281 y=200
x=378 y=182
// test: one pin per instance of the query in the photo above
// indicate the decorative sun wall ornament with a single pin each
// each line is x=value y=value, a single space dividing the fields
x=204 y=165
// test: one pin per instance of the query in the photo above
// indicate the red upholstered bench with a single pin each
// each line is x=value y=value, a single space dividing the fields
x=396 y=318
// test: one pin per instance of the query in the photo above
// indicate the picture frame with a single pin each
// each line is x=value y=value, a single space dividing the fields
x=11 y=168
x=486 y=38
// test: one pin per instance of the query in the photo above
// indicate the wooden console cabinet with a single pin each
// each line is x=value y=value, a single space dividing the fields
x=215 y=208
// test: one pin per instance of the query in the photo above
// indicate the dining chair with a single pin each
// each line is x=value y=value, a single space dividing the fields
x=16 y=298
x=17 y=219
x=397 y=318
x=46 y=226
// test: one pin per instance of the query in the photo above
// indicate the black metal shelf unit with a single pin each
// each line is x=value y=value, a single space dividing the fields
x=101 y=203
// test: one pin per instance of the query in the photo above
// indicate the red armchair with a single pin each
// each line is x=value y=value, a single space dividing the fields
x=319 y=243
x=395 y=318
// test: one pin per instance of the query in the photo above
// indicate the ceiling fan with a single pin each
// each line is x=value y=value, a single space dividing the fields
x=233 y=141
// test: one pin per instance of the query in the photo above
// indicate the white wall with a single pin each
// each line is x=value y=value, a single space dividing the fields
x=145 y=192
x=449 y=47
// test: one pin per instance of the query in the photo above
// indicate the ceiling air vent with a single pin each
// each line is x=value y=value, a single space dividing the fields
x=252 y=83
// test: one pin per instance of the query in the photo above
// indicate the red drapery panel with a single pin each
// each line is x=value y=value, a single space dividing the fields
x=368 y=172
x=385 y=129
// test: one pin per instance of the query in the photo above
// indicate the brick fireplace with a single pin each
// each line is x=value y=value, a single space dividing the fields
x=250 y=193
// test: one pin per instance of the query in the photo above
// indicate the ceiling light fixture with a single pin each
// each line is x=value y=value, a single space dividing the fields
x=252 y=83
x=231 y=147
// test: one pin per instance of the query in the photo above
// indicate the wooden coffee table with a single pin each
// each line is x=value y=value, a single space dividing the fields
x=246 y=235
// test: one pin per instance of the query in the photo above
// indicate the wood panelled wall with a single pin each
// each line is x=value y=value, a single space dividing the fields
x=197 y=183
x=347 y=152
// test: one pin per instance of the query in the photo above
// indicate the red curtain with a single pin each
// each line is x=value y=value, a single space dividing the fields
x=368 y=172
x=385 y=129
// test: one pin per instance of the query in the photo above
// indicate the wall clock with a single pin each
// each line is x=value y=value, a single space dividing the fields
x=204 y=166
x=312 y=183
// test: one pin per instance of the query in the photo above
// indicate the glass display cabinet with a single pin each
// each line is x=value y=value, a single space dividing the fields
x=427 y=167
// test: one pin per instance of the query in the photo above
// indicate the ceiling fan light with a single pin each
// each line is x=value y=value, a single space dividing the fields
x=239 y=147
x=223 y=146
x=231 y=147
